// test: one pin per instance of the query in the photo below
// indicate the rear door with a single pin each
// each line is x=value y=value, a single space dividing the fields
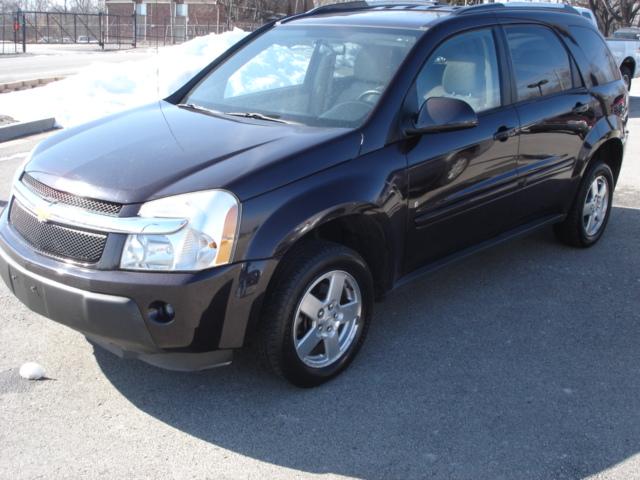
x=556 y=113
x=462 y=182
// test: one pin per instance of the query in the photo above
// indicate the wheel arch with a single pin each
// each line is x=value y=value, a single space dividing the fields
x=605 y=141
x=611 y=152
x=629 y=63
x=360 y=228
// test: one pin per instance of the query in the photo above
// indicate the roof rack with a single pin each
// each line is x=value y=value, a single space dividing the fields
x=555 y=7
x=356 y=5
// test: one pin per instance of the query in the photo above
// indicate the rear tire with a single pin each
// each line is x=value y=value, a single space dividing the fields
x=316 y=314
x=589 y=215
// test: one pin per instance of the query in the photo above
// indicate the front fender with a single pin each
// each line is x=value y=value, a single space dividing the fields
x=371 y=185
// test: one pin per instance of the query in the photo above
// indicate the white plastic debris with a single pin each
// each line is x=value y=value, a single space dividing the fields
x=31 y=371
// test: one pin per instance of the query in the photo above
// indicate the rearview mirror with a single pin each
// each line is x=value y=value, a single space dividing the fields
x=443 y=114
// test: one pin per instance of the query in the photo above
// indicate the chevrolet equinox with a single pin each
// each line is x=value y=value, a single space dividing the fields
x=323 y=160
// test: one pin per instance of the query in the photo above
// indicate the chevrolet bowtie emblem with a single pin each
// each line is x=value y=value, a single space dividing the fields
x=43 y=214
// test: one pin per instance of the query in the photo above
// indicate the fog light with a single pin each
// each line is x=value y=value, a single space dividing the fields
x=161 y=312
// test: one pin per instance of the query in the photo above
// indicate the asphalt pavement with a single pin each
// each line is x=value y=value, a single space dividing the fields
x=48 y=61
x=521 y=362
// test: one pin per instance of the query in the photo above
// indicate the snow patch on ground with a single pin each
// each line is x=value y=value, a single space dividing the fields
x=102 y=89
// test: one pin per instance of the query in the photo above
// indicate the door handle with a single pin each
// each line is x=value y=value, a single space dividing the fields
x=504 y=133
x=581 y=108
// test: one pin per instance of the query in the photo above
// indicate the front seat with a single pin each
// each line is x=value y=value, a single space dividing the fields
x=463 y=78
x=372 y=70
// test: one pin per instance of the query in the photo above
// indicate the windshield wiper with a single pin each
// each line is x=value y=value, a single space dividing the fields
x=200 y=108
x=255 y=115
x=258 y=116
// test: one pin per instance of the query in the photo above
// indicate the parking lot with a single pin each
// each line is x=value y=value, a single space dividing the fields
x=520 y=362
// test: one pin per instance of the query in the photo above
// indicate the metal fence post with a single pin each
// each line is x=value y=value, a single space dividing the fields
x=75 y=28
x=24 y=33
x=15 y=32
x=135 y=29
x=100 y=33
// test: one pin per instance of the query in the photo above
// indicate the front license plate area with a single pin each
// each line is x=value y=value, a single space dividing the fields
x=28 y=291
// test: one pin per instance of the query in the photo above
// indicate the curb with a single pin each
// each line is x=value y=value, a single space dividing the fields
x=27 y=84
x=23 y=129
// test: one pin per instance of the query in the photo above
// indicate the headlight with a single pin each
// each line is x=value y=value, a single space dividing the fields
x=208 y=239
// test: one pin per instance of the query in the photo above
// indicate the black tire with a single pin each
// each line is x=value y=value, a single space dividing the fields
x=627 y=77
x=302 y=266
x=572 y=230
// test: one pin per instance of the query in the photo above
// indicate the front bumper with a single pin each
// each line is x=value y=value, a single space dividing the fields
x=213 y=309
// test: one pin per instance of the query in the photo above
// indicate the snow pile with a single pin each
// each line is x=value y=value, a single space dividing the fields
x=105 y=88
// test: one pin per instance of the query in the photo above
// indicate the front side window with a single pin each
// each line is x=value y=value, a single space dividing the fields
x=540 y=62
x=313 y=75
x=464 y=67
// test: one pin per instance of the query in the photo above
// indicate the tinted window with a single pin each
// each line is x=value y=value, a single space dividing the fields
x=602 y=67
x=540 y=61
x=463 y=67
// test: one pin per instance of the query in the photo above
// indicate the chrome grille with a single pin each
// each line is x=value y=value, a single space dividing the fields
x=98 y=206
x=55 y=240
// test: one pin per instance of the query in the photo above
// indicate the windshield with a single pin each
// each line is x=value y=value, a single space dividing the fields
x=313 y=75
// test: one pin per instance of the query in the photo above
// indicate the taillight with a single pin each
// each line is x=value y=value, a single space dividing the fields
x=619 y=106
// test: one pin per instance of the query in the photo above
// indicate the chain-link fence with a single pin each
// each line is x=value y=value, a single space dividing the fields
x=99 y=30
x=9 y=27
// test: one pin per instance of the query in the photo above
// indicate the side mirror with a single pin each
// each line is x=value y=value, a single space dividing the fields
x=443 y=114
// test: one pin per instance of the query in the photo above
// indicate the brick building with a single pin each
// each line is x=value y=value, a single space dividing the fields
x=182 y=19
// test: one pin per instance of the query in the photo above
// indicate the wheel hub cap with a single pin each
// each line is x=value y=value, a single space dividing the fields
x=596 y=206
x=327 y=319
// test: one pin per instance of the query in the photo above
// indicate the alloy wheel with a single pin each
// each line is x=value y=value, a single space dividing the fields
x=596 y=206
x=327 y=319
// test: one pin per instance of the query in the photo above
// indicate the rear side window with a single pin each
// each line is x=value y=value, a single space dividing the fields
x=602 y=66
x=541 y=63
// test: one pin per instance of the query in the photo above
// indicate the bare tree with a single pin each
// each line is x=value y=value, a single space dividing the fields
x=612 y=14
x=624 y=12
x=83 y=6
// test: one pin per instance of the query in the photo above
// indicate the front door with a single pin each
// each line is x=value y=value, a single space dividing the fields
x=461 y=183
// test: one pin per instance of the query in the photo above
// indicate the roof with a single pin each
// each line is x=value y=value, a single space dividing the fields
x=410 y=14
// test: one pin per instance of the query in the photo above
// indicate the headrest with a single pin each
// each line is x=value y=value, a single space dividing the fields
x=463 y=77
x=374 y=64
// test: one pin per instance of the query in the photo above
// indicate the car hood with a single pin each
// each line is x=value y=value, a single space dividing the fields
x=160 y=150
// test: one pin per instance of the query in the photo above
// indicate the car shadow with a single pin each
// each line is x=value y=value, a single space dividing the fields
x=520 y=362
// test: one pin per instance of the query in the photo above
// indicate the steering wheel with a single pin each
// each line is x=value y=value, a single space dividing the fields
x=350 y=110
x=368 y=93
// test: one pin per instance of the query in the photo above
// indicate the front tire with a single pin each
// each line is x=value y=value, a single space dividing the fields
x=316 y=313
x=589 y=215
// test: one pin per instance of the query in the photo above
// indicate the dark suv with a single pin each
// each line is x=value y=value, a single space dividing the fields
x=322 y=161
